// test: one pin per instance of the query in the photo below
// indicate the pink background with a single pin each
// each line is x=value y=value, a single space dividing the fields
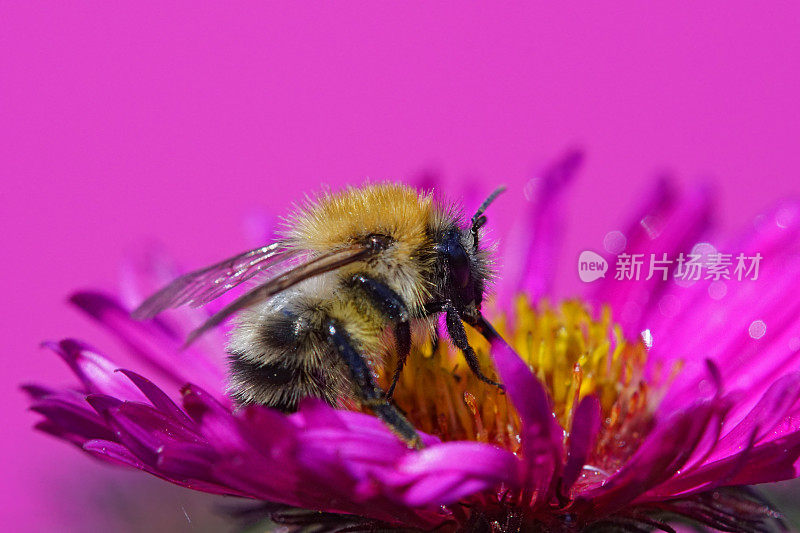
x=124 y=124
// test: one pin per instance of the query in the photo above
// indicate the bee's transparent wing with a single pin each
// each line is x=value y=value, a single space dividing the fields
x=313 y=267
x=201 y=286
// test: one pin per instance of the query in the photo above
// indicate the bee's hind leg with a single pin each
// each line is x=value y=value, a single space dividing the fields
x=366 y=388
x=391 y=305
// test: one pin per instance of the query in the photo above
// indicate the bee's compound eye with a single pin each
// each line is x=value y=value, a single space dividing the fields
x=459 y=268
x=378 y=241
x=457 y=260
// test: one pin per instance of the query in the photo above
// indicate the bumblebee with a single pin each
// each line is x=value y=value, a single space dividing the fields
x=352 y=273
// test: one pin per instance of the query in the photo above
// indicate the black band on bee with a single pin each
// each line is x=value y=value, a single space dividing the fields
x=274 y=373
x=432 y=308
x=281 y=333
x=271 y=383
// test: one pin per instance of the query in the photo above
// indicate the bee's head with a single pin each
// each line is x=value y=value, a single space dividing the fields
x=465 y=264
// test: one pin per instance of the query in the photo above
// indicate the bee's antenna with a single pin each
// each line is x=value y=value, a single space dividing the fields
x=486 y=203
x=478 y=219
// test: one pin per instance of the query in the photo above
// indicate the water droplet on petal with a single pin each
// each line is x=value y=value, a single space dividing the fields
x=647 y=338
x=794 y=344
x=786 y=215
x=704 y=250
x=757 y=329
x=614 y=242
x=653 y=225
x=717 y=289
x=531 y=189
x=669 y=305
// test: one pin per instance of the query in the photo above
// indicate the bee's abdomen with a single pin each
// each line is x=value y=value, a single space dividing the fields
x=281 y=353
x=278 y=357
x=274 y=383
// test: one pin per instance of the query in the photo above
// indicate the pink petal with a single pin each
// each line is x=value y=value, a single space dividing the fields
x=531 y=248
x=582 y=438
x=664 y=451
x=746 y=363
x=314 y=412
x=541 y=433
x=113 y=452
x=103 y=403
x=185 y=460
x=215 y=420
x=776 y=460
x=144 y=430
x=445 y=473
x=150 y=343
x=771 y=411
x=445 y=488
x=666 y=223
x=95 y=371
x=72 y=417
x=157 y=397
x=469 y=458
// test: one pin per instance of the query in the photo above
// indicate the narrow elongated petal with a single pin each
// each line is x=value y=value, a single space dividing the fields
x=749 y=328
x=151 y=343
x=541 y=434
x=96 y=373
x=144 y=430
x=157 y=397
x=582 y=438
x=664 y=225
x=114 y=452
x=72 y=417
x=532 y=247
x=781 y=400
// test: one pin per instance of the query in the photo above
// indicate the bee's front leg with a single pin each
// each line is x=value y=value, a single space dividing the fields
x=456 y=331
x=366 y=388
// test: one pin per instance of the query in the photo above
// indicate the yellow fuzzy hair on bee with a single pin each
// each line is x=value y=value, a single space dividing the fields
x=333 y=218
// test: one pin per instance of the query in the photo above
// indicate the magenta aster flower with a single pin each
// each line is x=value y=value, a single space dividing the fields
x=644 y=402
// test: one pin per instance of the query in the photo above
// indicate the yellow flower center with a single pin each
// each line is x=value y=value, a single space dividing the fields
x=571 y=353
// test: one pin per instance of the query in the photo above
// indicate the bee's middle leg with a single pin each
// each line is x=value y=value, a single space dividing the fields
x=366 y=388
x=391 y=305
